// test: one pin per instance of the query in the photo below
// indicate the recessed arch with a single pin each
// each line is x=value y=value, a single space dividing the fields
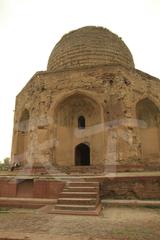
x=143 y=97
x=22 y=138
x=66 y=112
x=148 y=112
x=79 y=105
x=24 y=121
x=148 y=116
x=83 y=93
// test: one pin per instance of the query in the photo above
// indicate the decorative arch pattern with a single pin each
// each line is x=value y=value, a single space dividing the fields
x=71 y=108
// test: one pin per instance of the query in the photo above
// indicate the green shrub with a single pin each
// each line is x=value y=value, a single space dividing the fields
x=5 y=164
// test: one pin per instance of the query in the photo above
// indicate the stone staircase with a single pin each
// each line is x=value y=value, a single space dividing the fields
x=79 y=198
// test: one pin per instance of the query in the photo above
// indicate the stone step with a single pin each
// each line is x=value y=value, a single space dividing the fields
x=78 y=194
x=79 y=197
x=95 y=212
x=82 y=184
x=25 y=202
x=86 y=169
x=80 y=189
x=77 y=201
x=75 y=207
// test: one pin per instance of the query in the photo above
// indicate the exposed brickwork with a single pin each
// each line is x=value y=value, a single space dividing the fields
x=28 y=188
x=46 y=90
x=8 y=187
x=89 y=46
x=47 y=189
x=131 y=188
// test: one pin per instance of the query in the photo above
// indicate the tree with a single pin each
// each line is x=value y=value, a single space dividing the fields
x=6 y=161
x=5 y=164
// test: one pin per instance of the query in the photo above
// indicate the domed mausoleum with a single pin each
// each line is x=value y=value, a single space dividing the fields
x=81 y=125
x=91 y=111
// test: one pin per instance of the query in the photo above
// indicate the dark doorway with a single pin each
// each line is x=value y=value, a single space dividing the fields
x=82 y=155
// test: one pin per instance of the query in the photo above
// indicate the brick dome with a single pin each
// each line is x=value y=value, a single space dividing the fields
x=87 y=47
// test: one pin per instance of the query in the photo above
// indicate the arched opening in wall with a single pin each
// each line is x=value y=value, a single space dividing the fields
x=148 y=116
x=22 y=139
x=81 y=122
x=71 y=115
x=82 y=155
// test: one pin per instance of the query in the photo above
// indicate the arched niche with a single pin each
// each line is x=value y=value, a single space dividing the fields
x=77 y=112
x=148 y=116
x=22 y=139
x=70 y=109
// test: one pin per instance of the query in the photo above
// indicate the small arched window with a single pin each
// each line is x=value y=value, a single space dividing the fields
x=81 y=122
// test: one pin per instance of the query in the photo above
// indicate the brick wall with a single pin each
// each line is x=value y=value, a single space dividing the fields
x=111 y=188
x=28 y=188
x=131 y=188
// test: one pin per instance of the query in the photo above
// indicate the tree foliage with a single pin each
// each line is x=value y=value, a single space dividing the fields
x=5 y=164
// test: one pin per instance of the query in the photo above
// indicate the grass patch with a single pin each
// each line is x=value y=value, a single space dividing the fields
x=4 y=209
x=152 y=207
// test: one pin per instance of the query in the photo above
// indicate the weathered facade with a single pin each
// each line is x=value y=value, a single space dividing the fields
x=90 y=109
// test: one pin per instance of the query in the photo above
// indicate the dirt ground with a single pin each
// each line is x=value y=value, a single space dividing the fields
x=113 y=223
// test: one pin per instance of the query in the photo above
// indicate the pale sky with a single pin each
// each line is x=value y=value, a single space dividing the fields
x=29 y=29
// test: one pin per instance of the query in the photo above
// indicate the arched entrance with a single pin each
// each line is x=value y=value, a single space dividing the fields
x=82 y=155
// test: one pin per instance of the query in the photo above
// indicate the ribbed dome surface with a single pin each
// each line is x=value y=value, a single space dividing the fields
x=87 y=47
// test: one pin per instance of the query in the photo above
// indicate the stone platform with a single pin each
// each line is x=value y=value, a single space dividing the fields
x=40 y=190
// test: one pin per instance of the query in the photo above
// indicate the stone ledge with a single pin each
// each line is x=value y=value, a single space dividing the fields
x=131 y=203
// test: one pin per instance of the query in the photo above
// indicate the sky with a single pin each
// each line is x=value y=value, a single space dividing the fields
x=29 y=29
